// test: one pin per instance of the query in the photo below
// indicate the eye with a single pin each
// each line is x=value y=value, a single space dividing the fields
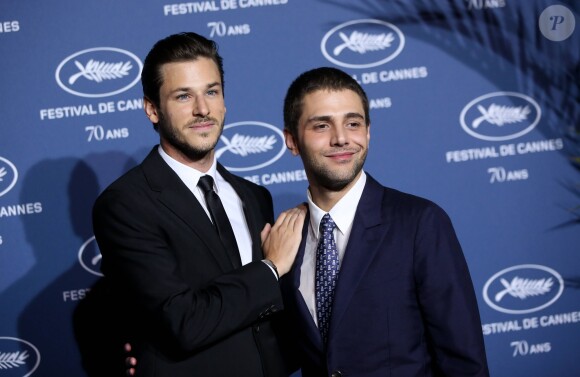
x=353 y=124
x=182 y=97
x=320 y=126
x=214 y=91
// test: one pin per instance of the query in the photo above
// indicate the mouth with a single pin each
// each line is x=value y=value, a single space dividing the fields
x=342 y=155
x=201 y=124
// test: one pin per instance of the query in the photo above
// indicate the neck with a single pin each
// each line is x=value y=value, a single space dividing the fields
x=201 y=162
x=326 y=198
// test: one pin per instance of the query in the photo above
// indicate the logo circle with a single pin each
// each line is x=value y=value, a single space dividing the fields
x=37 y=363
x=550 y=271
x=533 y=124
x=14 y=174
x=557 y=23
x=391 y=56
x=94 y=260
x=98 y=95
x=279 y=154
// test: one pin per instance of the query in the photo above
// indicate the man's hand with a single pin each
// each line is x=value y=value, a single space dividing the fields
x=280 y=242
x=130 y=362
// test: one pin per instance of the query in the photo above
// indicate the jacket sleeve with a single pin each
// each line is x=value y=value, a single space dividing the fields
x=139 y=256
x=447 y=297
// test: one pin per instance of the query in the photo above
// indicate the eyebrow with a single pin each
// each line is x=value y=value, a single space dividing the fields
x=327 y=118
x=187 y=89
x=211 y=85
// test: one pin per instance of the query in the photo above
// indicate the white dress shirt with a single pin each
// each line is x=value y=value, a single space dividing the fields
x=230 y=200
x=343 y=216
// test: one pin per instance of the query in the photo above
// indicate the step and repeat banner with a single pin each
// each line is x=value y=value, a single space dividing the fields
x=474 y=104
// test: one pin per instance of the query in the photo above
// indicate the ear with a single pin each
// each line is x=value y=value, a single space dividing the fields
x=150 y=110
x=291 y=143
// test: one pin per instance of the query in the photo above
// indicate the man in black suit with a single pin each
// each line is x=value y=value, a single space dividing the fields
x=380 y=286
x=198 y=309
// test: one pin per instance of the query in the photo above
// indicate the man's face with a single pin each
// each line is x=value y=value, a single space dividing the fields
x=332 y=138
x=191 y=109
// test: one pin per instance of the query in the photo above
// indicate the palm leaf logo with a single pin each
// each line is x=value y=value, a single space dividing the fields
x=363 y=42
x=501 y=115
x=243 y=145
x=10 y=360
x=98 y=71
x=523 y=288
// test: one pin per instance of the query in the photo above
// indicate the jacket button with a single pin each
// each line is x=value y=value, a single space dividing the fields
x=336 y=373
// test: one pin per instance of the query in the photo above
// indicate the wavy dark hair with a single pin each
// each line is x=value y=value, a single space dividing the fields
x=180 y=47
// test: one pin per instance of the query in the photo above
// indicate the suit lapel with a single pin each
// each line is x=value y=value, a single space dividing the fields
x=173 y=194
x=304 y=317
x=367 y=230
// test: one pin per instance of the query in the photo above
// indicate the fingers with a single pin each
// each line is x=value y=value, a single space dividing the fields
x=291 y=218
x=296 y=218
x=281 y=244
x=265 y=232
x=130 y=362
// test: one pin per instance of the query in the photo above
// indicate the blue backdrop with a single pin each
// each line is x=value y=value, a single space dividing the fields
x=475 y=105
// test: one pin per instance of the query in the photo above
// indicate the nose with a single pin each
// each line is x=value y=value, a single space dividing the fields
x=200 y=108
x=338 y=136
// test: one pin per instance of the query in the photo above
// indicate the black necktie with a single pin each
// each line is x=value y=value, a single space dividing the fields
x=220 y=219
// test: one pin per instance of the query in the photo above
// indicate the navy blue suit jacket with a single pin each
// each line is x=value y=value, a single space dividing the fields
x=404 y=302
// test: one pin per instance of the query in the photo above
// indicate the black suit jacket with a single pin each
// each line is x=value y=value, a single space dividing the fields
x=191 y=313
x=404 y=303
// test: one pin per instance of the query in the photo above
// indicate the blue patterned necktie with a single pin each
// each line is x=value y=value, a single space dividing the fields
x=327 y=267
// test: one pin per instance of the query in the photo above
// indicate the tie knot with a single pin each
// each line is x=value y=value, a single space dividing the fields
x=206 y=183
x=327 y=224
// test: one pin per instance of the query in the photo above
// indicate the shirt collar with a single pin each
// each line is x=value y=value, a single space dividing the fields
x=343 y=211
x=189 y=175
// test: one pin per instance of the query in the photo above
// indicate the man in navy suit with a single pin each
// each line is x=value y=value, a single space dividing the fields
x=403 y=304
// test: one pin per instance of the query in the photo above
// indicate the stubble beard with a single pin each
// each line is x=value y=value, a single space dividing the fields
x=331 y=179
x=176 y=139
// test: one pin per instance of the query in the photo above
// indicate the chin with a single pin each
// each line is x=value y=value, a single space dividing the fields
x=335 y=183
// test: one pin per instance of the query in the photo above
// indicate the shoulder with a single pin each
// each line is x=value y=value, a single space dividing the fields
x=129 y=181
x=402 y=203
x=140 y=174
x=121 y=197
x=129 y=190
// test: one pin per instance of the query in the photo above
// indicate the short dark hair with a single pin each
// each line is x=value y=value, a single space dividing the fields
x=323 y=78
x=176 y=48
